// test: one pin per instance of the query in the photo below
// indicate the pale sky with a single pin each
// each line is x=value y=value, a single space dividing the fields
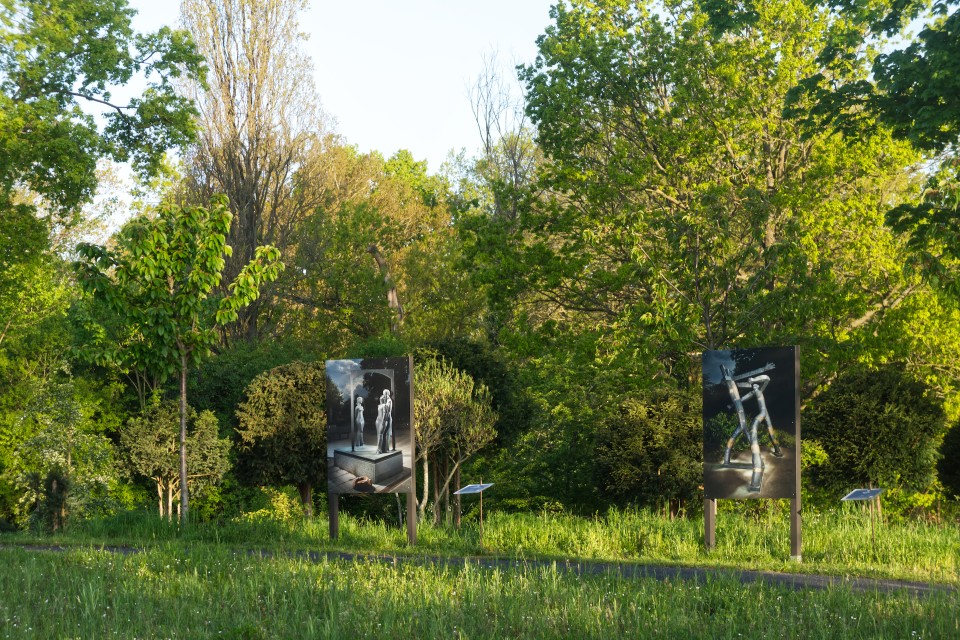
x=395 y=74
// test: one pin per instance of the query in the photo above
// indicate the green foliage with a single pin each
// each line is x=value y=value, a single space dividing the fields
x=28 y=285
x=56 y=56
x=877 y=427
x=489 y=368
x=913 y=82
x=282 y=425
x=346 y=292
x=65 y=469
x=159 y=280
x=649 y=449
x=282 y=507
x=384 y=346
x=219 y=383
x=687 y=212
x=948 y=468
x=150 y=443
x=931 y=224
x=912 y=90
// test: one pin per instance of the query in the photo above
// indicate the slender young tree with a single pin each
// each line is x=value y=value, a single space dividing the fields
x=454 y=420
x=160 y=279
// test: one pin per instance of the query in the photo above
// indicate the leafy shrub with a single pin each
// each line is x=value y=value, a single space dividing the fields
x=650 y=449
x=283 y=429
x=878 y=427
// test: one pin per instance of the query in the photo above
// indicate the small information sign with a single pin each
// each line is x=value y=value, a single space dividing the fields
x=862 y=494
x=473 y=488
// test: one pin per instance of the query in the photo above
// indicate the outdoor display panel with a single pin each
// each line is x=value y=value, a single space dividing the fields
x=370 y=440
x=750 y=423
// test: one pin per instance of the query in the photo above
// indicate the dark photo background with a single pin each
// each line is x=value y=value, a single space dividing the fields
x=720 y=421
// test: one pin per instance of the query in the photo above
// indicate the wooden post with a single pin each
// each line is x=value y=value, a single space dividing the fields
x=456 y=500
x=411 y=517
x=481 y=517
x=710 y=523
x=412 y=492
x=795 y=503
x=795 y=537
x=333 y=510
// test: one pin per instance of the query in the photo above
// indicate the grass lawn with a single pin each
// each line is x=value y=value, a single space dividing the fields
x=200 y=582
x=207 y=591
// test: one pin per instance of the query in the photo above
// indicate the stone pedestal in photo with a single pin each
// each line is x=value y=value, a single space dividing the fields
x=376 y=466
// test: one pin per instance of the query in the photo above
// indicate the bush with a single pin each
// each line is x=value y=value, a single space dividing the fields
x=283 y=429
x=949 y=465
x=877 y=427
x=650 y=449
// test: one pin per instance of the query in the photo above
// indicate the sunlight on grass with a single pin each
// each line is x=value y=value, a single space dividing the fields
x=208 y=591
x=837 y=543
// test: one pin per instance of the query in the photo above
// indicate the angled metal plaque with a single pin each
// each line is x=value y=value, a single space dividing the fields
x=862 y=494
x=473 y=488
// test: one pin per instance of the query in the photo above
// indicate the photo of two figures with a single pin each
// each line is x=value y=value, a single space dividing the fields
x=750 y=420
x=369 y=418
x=385 y=438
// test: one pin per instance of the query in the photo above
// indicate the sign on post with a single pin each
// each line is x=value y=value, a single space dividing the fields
x=751 y=431
x=370 y=431
x=475 y=488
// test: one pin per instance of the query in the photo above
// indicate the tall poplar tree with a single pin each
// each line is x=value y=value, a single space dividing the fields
x=262 y=132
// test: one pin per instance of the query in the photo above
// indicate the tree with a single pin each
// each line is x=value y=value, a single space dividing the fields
x=687 y=212
x=58 y=55
x=509 y=155
x=911 y=90
x=381 y=258
x=283 y=429
x=262 y=133
x=159 y=279
x=878 y=427
x=454 y=420
x=151 y=445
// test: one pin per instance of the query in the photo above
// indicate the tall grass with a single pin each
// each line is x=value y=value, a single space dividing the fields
x=838 y=543
x=208 y=591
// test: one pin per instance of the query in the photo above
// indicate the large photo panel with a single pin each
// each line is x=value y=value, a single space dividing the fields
x=750 y=416
x=370 y=437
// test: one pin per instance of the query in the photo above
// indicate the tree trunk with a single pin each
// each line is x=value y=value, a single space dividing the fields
x=393 y=299
x=184 y=497
x=456 y=500
x=160 y=496
x=426 y=487
x=306 y=498
x=436 y=491
x=169 y=501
